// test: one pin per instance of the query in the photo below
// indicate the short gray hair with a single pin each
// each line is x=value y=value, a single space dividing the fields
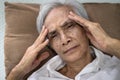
x=46 y=8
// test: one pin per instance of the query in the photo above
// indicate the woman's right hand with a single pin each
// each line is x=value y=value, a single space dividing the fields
x=31 y=59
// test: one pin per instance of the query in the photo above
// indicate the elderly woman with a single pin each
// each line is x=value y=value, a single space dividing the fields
x=68 y=35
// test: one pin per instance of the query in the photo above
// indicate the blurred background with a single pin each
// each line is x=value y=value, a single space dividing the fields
x=2 y=24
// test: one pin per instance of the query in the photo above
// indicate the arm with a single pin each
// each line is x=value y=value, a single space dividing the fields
x=98 y=37
x=16 y=74
x=114 y=47
x=31 y=58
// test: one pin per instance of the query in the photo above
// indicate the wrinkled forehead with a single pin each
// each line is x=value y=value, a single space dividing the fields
x=57 y=14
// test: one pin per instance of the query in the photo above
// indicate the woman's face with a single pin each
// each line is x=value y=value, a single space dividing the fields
x=66 y=37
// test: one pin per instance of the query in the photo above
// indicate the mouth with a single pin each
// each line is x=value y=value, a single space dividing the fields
x=70 y=49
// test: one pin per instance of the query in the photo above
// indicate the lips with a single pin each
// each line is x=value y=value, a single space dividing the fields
x=70 y=49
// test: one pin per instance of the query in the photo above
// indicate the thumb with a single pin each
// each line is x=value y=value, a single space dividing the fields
x=90 y=36
x=43 y=56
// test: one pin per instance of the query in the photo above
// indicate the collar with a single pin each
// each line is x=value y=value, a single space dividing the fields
x=56 y=63
x=97 y=64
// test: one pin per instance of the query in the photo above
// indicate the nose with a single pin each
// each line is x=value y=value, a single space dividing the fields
x=65 y=39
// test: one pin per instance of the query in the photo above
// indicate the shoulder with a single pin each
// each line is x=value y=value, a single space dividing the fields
x=44 y=71
x=105 y=60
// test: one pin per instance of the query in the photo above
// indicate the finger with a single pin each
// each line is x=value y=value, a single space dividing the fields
x=89 y=35
x=41 y=38
x=40 y=58
x=41 y=46
x=43 y=56
x=80 y=20
x=92 y=39
x=44 y=35
x=43 y=29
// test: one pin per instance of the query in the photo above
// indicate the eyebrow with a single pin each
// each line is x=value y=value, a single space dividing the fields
x=52 y=32
x=66 y=22
x=63 y=25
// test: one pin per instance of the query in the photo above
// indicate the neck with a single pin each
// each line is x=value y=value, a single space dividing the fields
x=72 y=69
x=78 y=65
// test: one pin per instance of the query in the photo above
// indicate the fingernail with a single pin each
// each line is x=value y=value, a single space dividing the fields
x=47 y=40
x=69 y=16
x=71 y=12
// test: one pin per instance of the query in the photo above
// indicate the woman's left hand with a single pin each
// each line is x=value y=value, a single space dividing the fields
x=98 y=37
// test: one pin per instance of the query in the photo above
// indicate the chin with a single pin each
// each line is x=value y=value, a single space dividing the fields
x=74 y=57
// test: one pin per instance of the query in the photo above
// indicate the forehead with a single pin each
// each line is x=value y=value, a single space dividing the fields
x=57 y=16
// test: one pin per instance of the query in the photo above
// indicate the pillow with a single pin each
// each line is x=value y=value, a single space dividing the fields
x=107 y=14
x=21 y=32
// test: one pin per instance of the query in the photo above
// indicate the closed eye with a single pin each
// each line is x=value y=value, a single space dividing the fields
x=70 y=25
x=52 y=34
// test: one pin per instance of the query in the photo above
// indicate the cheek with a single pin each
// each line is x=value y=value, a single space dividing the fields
x=56 y=46
x=78 y=34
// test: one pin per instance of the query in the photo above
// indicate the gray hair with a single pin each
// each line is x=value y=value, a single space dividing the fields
x=46 y=8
